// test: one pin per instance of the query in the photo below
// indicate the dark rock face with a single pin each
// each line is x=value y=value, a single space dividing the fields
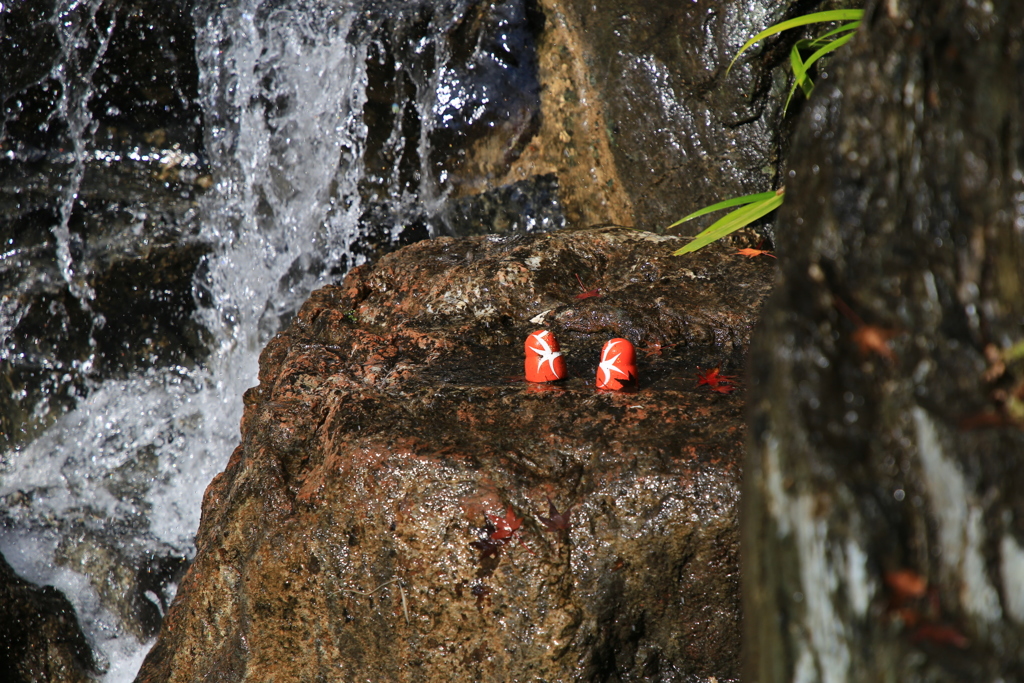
x=357 y=530
x=682 y=134
x=136 y=57
x=40 y=639
x=884 y=524
x=100 y=133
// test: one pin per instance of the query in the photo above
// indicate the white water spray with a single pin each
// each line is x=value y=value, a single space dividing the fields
x=283 y=93
x=117 y=481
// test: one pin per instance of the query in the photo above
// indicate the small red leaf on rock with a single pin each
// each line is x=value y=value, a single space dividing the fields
x=558 y=521
x=505 y=526
x=586 y=294
x=751 y=253
x=906 y=584
x=715 y=380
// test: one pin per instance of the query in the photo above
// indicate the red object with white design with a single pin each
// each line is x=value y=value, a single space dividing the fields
x=617 y=370
x=544 y=362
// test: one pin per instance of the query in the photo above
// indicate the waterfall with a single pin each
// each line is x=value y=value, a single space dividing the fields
x=331 y=132
x=303 y=188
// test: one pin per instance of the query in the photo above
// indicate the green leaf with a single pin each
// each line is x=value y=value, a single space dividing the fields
x=735 y=220
x=851 y=26
x=834 y=45
x=814 y=18
x=727 y=204
x=800 y=77
x=801 y=67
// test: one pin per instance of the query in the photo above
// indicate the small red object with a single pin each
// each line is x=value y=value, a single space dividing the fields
x=505 y=527
x=544 y=362
x=751 y=253
x=617 y=370
x=716 y=381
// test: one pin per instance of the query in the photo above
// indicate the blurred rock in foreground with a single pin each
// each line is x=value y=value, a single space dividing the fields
x=884 y=522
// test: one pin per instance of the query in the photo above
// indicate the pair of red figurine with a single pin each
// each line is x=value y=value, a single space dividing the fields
x=545 y=363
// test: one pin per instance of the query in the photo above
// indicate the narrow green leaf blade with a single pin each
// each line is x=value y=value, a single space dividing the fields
x=845 y=28
x=799 y=71
x=801 y=67
x=727 y=204
x=834 y=45
x=733 y=221
x=813 y=18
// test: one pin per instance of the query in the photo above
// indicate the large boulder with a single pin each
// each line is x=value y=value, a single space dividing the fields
x=361 y=529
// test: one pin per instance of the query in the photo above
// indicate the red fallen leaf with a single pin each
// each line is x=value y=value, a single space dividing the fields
x=938 y=634
x=586 y=294
x=715 y=380
x=871 y=338
x=656 y=348
x=505 y=526
x=724 y=389
x=868 y=338
x=905 y=584
x=558 y=521
x=751 y=253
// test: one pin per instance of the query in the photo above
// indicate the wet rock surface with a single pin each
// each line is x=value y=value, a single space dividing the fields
x=883 y=521
x=362 y=528
x=40 y=639
x=99 y=178
x=638 y=118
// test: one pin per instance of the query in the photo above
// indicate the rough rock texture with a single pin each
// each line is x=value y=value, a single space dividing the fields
x=40 y=641
x=884 y=522
x=637 y=116
x=347 y=539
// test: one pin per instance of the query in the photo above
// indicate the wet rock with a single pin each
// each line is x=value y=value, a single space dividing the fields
x=883 y=522
x=126 y=306
x=99 y=176
x=128 y=67
x=403 y=506
x=628 y=106
x=530 y=205
x=134 y=576
x=638 y=118
x=136 y=583
x=40 y=639
x=442 y=78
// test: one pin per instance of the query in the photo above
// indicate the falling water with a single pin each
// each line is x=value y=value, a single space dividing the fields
x=302 y=190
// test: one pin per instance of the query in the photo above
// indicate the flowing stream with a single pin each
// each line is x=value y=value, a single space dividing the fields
x=106 y=499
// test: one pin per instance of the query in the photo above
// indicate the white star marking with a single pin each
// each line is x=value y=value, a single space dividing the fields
x=546 y=355
x=608 y=364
